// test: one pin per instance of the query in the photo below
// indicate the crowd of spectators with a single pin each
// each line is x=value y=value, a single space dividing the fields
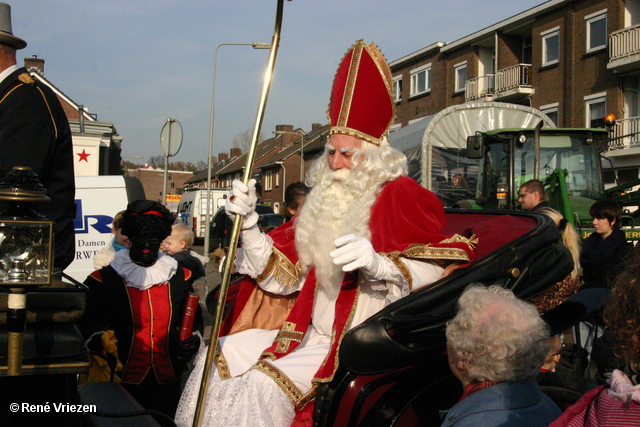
x=609 y=393
x=500 y=350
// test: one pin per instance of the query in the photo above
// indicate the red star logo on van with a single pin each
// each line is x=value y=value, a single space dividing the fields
x=83 y=156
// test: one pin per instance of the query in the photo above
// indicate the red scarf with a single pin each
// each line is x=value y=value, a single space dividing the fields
x=476 y=385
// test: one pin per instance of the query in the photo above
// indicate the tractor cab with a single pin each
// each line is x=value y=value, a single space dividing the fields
x=567 y=161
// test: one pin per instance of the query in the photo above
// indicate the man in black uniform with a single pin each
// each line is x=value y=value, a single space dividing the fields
x=34 y=132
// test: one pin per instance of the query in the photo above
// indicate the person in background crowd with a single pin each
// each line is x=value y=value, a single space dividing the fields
x=548 y=375
x=294 y=197
x=118 y=242
x=34 y=132
x=496 y=345
x=602 y=258
x=605 y=250
x=459 y=181
x=531 y=195
x=558 y=293
x=616 y=404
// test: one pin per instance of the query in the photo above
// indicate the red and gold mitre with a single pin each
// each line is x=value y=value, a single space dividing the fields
x=361 y=102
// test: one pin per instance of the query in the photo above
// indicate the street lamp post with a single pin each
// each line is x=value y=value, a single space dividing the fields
x=255 y=45
x=301 y=135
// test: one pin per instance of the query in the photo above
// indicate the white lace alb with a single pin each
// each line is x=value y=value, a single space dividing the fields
x=252 y=399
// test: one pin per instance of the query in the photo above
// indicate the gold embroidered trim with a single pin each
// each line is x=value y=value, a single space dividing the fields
x=287 y=334
x=282 y=269
x=349 y=86
x=221 y=364
x=171 y=315
x=404 y=270
x=333 y=339
x=26 y=78
x=53 y=120
x=430 y=252
x=133 y=328
x=472 y=241
x=9 y=93
x=417 y=251
x=345 y=108
x=268 y=355
x=343 y=130
x=308 y=397
x=281 y=379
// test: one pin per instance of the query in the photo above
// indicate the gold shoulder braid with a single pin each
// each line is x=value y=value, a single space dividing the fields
x=282 y=269
x=26 y=78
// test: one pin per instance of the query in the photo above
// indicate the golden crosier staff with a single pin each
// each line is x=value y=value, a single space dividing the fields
x=237 y=223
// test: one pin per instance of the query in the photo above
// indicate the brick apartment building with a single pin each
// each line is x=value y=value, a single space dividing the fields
x=199 y=179
x=153 y=183
x=575 y=60
x=279 y=161
x=96 y=145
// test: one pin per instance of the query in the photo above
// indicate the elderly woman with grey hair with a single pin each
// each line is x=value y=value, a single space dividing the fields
x=496 y=345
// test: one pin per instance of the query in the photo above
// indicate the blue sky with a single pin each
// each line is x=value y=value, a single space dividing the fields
x=137 y=62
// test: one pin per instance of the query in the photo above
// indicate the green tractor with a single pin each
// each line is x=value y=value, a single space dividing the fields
x=567 y=161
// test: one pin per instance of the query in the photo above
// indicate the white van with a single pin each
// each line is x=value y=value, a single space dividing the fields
x=192 y=210
x=98 y=200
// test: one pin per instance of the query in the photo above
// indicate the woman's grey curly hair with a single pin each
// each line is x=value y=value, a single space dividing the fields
x=501 y=337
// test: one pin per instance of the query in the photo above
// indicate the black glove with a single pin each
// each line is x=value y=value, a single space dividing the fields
x=188 y=347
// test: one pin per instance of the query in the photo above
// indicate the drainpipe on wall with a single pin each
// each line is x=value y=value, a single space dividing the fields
x=284 y=179
x=81 y=117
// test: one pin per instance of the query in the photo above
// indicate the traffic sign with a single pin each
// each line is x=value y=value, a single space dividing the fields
x=171 y=137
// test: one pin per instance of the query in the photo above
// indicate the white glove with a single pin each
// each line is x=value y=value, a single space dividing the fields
x=242 y=201
x=355 y=252
x=253 y=256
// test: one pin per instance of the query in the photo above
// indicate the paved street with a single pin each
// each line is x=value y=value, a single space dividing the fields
x=201 y=286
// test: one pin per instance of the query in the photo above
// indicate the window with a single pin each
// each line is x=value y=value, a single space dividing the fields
x=631 y=13
x=420 y=80
x=596 y=109
x=277 y=179
x=624 y=175
x=596 y=30
x=397 y=88
x=461 y=76
x=268 y=180
x=551 y=110
x=551 y=46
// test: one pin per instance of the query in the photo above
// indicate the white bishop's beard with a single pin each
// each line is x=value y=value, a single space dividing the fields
x=339 y=204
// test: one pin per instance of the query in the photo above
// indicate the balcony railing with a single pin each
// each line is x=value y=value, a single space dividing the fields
x=624 y=43
x=503 y=81
x=480 y=87
x=514 y=77
x=625 y=134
